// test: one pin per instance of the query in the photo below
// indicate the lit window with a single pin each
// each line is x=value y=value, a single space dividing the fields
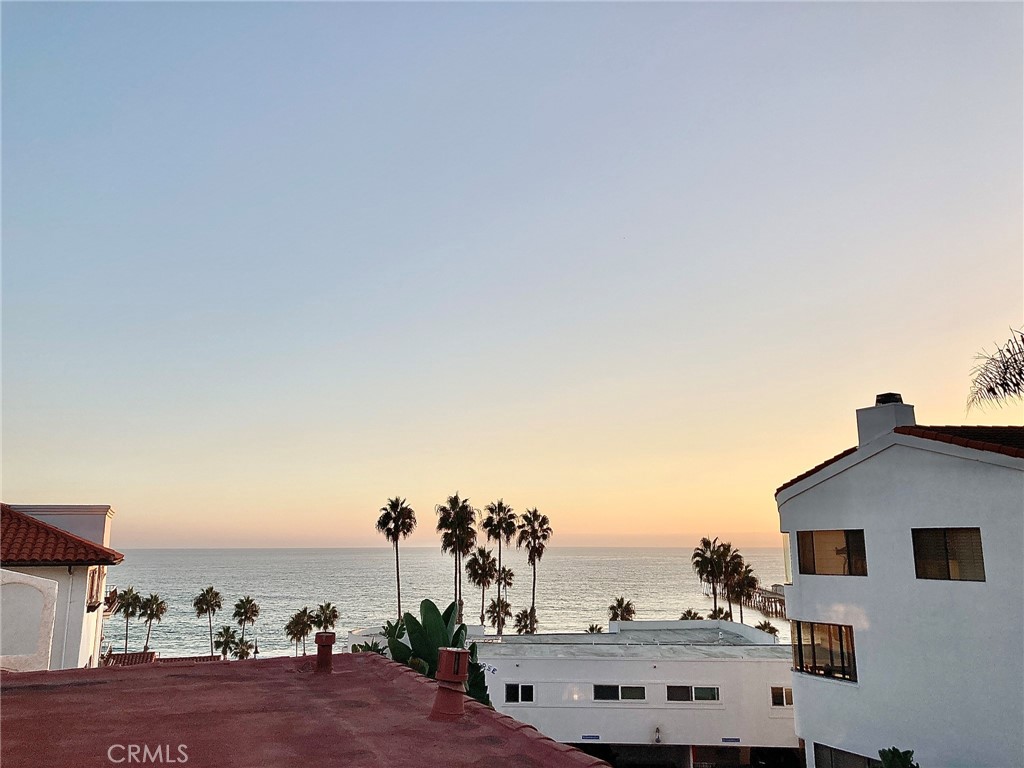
x=832 y=553
x=951 y=554
x=824 y=649
x=782 y=696
x=620 y=693
x=518 y=693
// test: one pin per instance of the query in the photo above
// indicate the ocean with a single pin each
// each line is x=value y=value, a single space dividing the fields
x=574 y=588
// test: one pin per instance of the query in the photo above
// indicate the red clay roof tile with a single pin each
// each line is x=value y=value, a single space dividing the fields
x=27 y=541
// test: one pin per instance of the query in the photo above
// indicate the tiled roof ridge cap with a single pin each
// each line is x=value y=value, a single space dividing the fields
x=111 y=554
x=927 y=432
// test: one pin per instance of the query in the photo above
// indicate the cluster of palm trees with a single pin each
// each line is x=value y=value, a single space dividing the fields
x=132 y=604
x=722 y=568
x=303 y=622
x=457 y=522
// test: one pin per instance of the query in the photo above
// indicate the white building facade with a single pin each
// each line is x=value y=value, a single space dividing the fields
x=692 y=692
x=64 y=549
x=906 y=601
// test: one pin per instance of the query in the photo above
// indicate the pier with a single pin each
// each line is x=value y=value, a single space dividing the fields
x=768 y=602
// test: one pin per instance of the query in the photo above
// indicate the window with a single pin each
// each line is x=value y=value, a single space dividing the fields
x=824 y=649
x=620 y=693
x=832 y=553
x=948 y=553
x=827 y=757
x=692 y=693
x=782 y=696
x=518 y=693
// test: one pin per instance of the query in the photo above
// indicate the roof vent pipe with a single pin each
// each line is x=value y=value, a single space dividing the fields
x=452 y=674
x=324 y=652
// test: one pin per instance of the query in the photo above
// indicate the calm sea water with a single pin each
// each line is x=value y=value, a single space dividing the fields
x=574 y=588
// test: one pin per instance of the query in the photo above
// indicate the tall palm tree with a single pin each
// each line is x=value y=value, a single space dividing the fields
x=594 y=629
x=707 y=565
x=731 y=566
x=745 y=586
x=482 y=570
x=304 y=621
x=225 y=641
x=523 y=622
x=455 y=523
x=498 y=610
x=397 y=520
x=128 y=604
x=534 y=534
x=500 y=524
x=505 y=578
x=621 y=609
x=207 y=603
x=325 y=617
x=247 y=611
x=691 y=615
x=151 y=609
x=293 y=633
x=998 y=376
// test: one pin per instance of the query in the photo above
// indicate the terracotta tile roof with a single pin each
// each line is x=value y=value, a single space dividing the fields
x=1008 y=441
x=813 y=470
x=369 y=713
x=27 y=541
x=129 y=659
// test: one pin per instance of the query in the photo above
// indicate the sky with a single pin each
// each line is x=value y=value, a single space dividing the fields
x=266 y=265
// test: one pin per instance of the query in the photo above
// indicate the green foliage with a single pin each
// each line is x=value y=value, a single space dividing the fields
x=371 y=647
x=767 y=626
x=895 y=758
x=427 y=635
x=393 y=630
x=594 y=629
x=691 y=615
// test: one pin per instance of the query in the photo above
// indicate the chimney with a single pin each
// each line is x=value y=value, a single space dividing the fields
x=452 y=674
x=888 y=413
x=324 y=653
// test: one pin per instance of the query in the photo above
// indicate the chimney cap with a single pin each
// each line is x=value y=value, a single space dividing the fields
x=888 y=398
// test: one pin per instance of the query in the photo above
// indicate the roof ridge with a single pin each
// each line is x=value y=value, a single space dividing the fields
x=105 y=553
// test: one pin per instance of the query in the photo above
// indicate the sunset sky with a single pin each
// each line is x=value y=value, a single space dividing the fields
x=266 y=265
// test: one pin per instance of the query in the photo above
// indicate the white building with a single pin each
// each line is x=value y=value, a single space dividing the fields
x=675 y=693
x=906 y=600
x=54 y=560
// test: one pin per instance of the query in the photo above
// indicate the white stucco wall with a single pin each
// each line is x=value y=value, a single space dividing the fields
x=564 y=709
x=27 y=610
x=940 y=664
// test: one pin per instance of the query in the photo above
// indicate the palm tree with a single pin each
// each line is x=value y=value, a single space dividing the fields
x=207 y=603
x=998 y=376
x=225 y=641
x=244 y=649
x=523 y=622
x=745 y=586
x=498 y=610
x=455 y=523
x=731 y=566
x=720 y=614
x=707 y=565
x=304 y=622
x=247 y=611
x=482 y=570
x=594 y=629
x=534 y=534
x=691 y=615
x=151 y=609
x=621 y=610
x=325 y=617
x=505 y=579
x=128 y=604
x=499 y=523
x=293 y=633
x=397 y=520
x=767 y=626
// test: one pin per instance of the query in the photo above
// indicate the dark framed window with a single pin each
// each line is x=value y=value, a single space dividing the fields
x=620 y=693
x=518 y=693
x=692 y=693
x=824 y=649
x=832 y=553
x=782 y=696
x=951 y=554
